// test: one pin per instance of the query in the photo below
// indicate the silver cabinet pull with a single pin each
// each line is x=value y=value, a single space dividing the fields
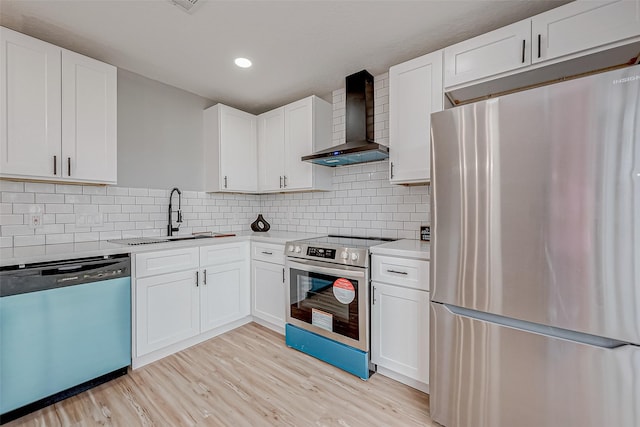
x=267 y=253
x=204 y=276
x=69 y=166
x=197 y=278
x=55 y=165
x=397 y=272
x=373 y=295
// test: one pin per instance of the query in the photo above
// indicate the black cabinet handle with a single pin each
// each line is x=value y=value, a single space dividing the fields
x=285 y=181
x=197 y=278
x=373 y=295
x=204 y=276
x=225 y=181
x=282 y=274
x=55 y=165
x=280 y=181
x=539 y=45
x=524 y=44
x=391 y=173
x=69 y=166
x=267 y=253
x=397 y=272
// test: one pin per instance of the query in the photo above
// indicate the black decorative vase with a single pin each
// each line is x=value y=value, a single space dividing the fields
x=260 y=224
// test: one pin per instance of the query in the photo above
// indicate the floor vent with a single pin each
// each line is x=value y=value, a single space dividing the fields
x=186 y=5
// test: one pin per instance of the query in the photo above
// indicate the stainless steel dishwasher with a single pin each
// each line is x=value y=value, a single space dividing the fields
x=64 y=327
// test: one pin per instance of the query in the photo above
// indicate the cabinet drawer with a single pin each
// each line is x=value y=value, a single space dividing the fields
x=222 y=254
x=410 y=273
x=267 y=252
x=161 y=262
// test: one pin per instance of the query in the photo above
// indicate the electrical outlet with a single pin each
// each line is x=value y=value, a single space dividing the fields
x=35 y=220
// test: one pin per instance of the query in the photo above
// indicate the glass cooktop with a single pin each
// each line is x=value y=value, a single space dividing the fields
x=346 y=241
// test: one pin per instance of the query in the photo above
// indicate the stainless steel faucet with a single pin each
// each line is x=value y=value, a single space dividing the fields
x=170 y=227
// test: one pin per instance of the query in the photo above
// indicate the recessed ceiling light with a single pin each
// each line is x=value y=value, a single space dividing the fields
x=243 y=62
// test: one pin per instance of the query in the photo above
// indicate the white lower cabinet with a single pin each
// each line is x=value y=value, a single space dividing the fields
x=268 y=296
x=224 y=294
x=167 y=310
x=185 y=296
x=400 y=319
x=400 y=325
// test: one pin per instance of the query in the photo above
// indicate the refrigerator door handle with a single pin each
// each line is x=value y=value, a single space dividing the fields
x=538 y=328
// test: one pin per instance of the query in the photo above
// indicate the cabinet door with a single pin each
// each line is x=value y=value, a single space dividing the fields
x=583 y=25
x=400 y=330
x=238 y=150
x=298 y=142
x=271 y=150
x=224 y=294
x=167 y=310
x=89 y=113
x=29 y=107
x=268 y=296
x=415 y=91
x=499 y=51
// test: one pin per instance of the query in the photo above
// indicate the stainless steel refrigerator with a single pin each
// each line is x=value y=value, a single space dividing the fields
x=535 y=270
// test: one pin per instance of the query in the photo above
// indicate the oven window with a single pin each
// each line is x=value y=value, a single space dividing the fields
x=326 y=301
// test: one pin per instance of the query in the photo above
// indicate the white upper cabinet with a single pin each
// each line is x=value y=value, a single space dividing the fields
x=504 y=49
x=288 y=133
x=89 y=114
x=271 y=150
x=568 y=32
x=415 y=91
x=583 y=25
x=57 y=111
x=230 y=147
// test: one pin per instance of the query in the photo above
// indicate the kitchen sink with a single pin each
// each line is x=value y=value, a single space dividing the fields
x=149 y=240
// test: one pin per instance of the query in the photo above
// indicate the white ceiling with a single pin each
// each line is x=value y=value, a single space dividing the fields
x=298 y=47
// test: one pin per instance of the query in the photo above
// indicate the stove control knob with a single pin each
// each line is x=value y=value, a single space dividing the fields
x=290 y=248
x=298 y=249
x=344 y=255
x=354 y=256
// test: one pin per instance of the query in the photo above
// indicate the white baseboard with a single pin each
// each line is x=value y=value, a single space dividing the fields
x=418 y=385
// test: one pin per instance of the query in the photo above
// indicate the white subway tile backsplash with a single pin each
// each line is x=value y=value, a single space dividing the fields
x=94 y=190
x=117 y=191
x=9 y=197
x=14 y=186
x=77 y=198
x=68 y=189
x=29 y=240
x=54 y=239
x=29 y=208
x=8 y=219
x=38 y=187
x=49 y=198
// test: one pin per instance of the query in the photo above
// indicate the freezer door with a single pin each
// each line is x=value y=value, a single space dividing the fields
x=536 y=205
x=505 y=377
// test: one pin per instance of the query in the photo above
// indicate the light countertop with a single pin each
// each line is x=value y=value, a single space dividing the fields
x=48 y=253
x=404 y=248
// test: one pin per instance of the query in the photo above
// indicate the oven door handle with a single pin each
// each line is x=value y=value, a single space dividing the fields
x=316 y=267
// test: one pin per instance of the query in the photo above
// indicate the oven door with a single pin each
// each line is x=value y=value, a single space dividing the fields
x=329 y=300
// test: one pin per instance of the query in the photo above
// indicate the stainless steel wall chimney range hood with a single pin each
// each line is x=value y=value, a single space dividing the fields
x=360 y=146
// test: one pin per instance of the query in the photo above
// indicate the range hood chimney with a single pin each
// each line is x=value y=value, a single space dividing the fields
x=359 y=146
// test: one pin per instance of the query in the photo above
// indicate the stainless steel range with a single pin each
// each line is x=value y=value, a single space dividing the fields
x=328 y=300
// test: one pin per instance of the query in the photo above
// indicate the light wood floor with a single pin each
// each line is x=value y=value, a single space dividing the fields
x=246 y=377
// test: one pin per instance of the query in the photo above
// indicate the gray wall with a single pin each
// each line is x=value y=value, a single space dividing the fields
x=159 y=134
